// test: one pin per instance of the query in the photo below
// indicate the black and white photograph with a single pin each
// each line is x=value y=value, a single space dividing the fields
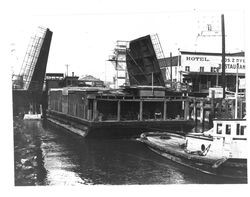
x=125 y=93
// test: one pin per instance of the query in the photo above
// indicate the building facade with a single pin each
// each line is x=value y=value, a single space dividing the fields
x=202 y=71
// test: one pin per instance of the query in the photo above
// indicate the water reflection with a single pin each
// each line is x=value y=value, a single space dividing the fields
x=60 y=161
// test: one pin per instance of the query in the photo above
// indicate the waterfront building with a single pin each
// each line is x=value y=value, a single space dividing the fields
x=54 y=80
x=89 y=80
x=58 y=80
x=202 y=70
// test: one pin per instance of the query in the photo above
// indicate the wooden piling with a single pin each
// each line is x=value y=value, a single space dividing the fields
x=94 y=109
x=240 y=108
x=186 y=109
x=141 y=110
x=201 y=111
x=195 y=115
x=118 y=110
x=202 y=115
x=165 y=110
x=211 y=114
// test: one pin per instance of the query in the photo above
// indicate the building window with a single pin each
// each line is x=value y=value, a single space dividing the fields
x=198 y=112
x=209 y=27
x=187 y=68
x=228 y=129
x=219 y=128
x=213 y=69
x=242 y=129
x=238 y=129
x=202 y=69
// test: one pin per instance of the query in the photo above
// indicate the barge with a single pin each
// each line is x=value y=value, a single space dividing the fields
x=96 y=111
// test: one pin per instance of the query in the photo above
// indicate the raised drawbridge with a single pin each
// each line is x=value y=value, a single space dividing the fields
x=28 y=85
x=32 y=72
x=142 y=60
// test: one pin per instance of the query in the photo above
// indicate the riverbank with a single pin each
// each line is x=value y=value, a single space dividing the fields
x=27 y=155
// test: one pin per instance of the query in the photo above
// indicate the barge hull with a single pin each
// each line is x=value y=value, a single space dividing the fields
x=116 y=129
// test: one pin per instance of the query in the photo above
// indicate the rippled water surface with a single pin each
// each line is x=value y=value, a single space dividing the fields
x=45 y=155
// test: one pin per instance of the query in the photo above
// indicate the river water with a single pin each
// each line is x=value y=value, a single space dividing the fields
x=45 y=155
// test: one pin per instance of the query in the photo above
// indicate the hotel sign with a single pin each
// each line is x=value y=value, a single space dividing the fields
x=213 y=62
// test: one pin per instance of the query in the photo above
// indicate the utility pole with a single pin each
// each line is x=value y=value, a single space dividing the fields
x=67 y=69
x=217 y=77
x=171 y=69
x=152 y=84
x=223 y=54
x=179 y=66
x=236 y=93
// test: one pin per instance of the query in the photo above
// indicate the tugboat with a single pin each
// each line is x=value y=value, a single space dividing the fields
x=220 y=151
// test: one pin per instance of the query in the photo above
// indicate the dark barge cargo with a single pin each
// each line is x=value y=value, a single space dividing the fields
x=93 y=111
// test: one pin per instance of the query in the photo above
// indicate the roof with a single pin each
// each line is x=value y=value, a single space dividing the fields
x=144 y=87
x=241 y=53
x=89 y=78
x=79 y=89
x=54 y=74
x=210 y=73
x=166 y=62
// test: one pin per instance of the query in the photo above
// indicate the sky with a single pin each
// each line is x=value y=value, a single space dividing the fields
x=85 y=32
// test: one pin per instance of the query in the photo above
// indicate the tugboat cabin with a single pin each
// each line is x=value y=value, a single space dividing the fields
x=227 y=138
